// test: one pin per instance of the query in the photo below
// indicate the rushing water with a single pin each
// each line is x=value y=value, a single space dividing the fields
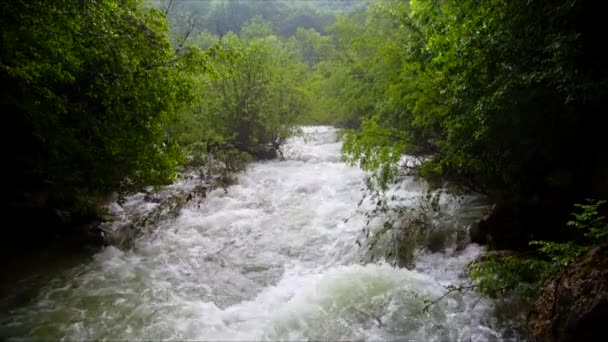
x=271 y=259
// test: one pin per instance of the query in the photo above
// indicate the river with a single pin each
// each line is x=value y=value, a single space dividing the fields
x=273 y=258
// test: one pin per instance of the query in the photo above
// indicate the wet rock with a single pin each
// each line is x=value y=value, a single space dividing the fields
x=501 y=228
x=573 y=305
x=462 y=240
x=201 y=190
x=93 y=234
x=512 y=225
x=437 y=240
x=151 y=198
x=445 y=237
x=124 y=233
x=478 y=229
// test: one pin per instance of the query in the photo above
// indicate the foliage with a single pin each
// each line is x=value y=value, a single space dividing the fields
x=502 y=98
x=524 y=273
x=220 y=17
x=92 y=85
x=374 y=149
x=249 y=103
x=498 y=276
x=311 y=46
x=494 y=92
x=590 y=221
x=395 y=231
x=254 y=99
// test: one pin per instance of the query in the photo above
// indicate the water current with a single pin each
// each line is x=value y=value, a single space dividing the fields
x=273 y=258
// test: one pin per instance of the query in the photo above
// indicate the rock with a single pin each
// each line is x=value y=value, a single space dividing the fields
x=478 y=229
x=573 y=305
x=445 y=237
x=511 y=225
x=201 y=190
x=93 y=234
x=152 y=198
x=437 y=240
x=502 y=228
x=462 y=240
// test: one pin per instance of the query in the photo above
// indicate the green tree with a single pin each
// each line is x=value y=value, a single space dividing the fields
x=91 y=86
x=256 y=28
x=497 y=92
x=252 y=100
x=495 y=97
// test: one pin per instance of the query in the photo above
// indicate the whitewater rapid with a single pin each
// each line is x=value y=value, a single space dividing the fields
x=273 y=258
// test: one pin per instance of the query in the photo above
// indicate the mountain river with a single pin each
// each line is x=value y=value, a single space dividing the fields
x=273 y=258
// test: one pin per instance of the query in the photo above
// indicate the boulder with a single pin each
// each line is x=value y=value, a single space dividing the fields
x=511 y=225
x=573 y=305
x=153 y=198
x=478 y=231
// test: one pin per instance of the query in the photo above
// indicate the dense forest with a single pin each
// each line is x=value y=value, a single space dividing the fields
x=504 y=99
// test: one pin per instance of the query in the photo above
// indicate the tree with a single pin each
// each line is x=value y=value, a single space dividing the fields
x=92 y=84
x=252 y=99
x=496 y=91
x=499 y=98
x=256 y=28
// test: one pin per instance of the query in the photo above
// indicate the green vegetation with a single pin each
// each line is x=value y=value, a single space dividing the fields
x=111 y=96
x=524 y=273
x=501 y=98
x=88 y=88
x=496 y=92
x=256 y=100
x=223 y=16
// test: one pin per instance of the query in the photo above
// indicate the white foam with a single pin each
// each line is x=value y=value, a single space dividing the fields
x=273 y=259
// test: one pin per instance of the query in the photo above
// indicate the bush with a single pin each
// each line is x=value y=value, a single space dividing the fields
x=523 y=274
